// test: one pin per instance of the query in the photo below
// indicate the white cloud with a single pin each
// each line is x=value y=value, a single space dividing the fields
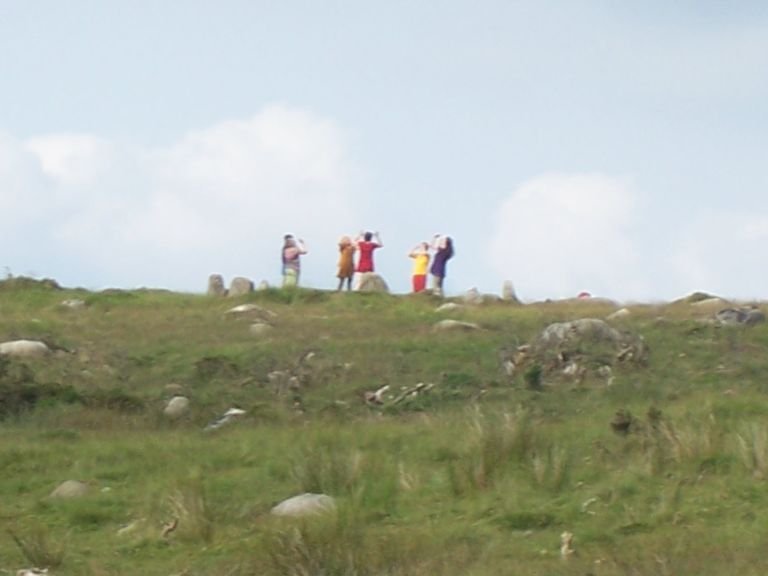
x=557 y=235
x=217 y=200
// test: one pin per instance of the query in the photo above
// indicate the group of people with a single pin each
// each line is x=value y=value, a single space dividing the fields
x=364 y=246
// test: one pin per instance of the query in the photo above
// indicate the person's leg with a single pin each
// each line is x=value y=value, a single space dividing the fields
x=341 y=285
x=419 y=282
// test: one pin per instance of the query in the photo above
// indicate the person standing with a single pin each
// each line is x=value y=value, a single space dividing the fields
x=366 y=244
x=443 y=246
x=420 y=255
x=292 y=251
x=346 y=262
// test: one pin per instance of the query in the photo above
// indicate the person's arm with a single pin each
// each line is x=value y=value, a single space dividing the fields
x=301 y=246
x=378 y=239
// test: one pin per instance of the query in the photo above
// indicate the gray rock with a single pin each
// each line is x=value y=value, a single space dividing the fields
x=73 y=304
x=177 y=407
x=240 y=287
x=455 y=326
x=216 y=285
x=739 y=316
x=754 y=316
x=709 y=304
x=588 y=337
x=305 y=505
x=371 y=282
x=263 y=285
x=70 y=489
x=24 y=348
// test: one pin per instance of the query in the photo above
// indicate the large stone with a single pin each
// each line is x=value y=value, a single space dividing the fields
x=240 y=286
x=216 y=285
x=305 y=505
x=508 y=292
x=371 y=282
x=177 y=407
x=70 y=489
x=24 y=348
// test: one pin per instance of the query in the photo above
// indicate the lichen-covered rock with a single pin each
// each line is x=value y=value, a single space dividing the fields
x=177 y=407
x=455 y=326
x=240 y=287
x=24 y=348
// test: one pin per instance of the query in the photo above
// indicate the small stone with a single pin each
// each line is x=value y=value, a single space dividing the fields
x=260 y=329
x=70 y=489
x=449 y=307
x=177 y=407
x=619 y=314
x=455 y=326
x=73 y=304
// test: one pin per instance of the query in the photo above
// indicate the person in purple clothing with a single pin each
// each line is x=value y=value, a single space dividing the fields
x=443 y=246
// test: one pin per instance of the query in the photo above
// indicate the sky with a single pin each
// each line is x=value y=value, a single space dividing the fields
x=617 y=148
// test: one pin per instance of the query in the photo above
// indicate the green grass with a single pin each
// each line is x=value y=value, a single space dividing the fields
x=480 y=475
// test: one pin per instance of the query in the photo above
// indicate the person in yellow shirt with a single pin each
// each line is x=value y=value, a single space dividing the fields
x=420 y=255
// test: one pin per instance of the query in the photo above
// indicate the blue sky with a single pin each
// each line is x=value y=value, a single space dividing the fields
x=613 y=147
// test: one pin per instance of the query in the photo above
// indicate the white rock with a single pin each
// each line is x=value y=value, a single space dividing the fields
x=176 y=407
x=305 y=505
x=74 y=303
x=260 y=329
x=449 y=307
x=251 y=309
x=25 y=348
x=454 y=326
x=620 y=313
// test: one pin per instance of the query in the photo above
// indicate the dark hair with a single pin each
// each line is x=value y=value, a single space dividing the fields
x=449 y=246
x=367 y=237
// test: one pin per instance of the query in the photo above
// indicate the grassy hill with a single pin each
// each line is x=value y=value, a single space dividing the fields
x=480 y=473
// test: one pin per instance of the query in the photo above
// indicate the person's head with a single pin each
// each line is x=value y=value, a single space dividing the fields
x=425 y=246
x=367 y=236
x=289 y=241
x=345 y=241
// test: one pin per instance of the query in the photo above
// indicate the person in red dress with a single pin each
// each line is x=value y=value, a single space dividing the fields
x=366 y=244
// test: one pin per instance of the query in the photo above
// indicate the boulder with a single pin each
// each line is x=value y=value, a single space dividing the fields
x=240 y=286
x=455 y=326
x=177 y=407
x=371 y=282
x=70 y=489
x=216 y=285
x=306 y=504
x=24 y=348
